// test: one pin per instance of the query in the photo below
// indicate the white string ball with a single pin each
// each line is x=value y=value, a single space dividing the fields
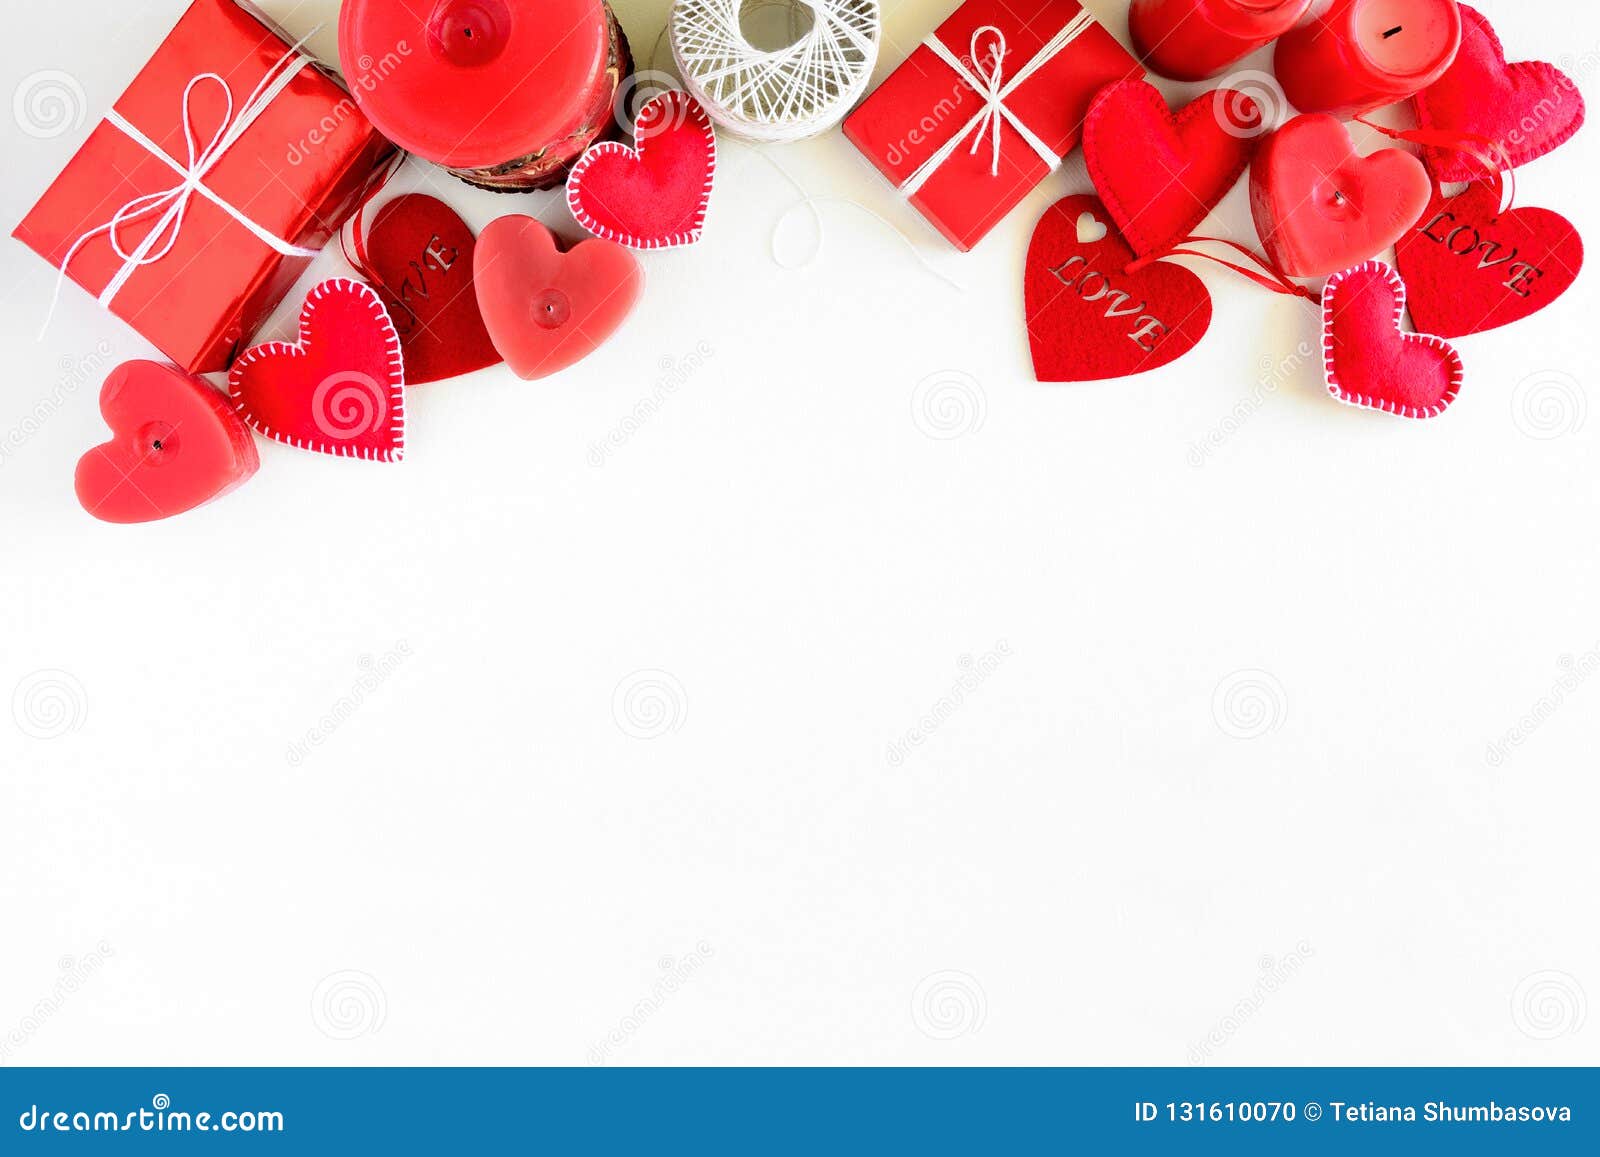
x=782 y=94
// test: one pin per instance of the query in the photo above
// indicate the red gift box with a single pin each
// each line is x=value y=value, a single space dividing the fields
x=964 y=126
x=225 y=166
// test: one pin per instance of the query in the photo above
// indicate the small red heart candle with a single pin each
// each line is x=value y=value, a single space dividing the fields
x=1358 y=55
x=1199 y=39
x=175 y=445
x=504 y=93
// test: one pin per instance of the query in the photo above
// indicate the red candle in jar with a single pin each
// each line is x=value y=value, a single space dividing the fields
x=504 y=93
x=1199 y=39
x=1359 y=55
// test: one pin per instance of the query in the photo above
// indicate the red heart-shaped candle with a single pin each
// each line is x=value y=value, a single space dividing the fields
x=175 y=445
x=418 y=256
x=1470 y=267
x=1369 y=361
x=546 y=309
x=1160 y=174
x=1088 y=318
x=1528 y=108
x=340 y=389
x=655 y=194
x=1319 y=207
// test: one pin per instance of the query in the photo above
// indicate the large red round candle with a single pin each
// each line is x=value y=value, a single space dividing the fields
x=1199 y=39
x=505 y=93
x=1359 y=55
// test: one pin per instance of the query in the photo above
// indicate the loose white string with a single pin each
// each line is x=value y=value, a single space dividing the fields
x=173 y=203
x=786 y=94
x=988 y=81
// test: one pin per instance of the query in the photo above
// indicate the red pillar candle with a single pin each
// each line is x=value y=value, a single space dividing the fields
x=1199 y=39
x=506 y=94
x=1358 y=55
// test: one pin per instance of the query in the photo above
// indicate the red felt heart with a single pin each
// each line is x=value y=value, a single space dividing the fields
x=1090 y=319
x=653 y=195
x=1529 y=108
x=1160 y=174
x=340 y=389
x=176 y=444
x=1320 y=208
x=547 y=309
x=1369 y=361
x=418 y=256
x=1472 y=268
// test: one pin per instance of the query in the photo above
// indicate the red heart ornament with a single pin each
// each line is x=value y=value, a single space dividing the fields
x=1528 y=108
x=340 y=389
x=546 y=309
x=1319 y=207
x=1088 y=318
x=1368 y=360
x=1472 y=268
x=175 y=445
x=653 y=195
x=1160 y=174
x=418 y=256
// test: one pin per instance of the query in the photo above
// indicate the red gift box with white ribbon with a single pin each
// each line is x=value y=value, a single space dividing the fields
x=986 y=108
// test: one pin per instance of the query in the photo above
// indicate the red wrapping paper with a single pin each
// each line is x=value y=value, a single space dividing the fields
x=925 y=102
x=297 y=171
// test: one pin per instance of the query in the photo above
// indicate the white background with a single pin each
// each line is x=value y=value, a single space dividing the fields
x=1228 y=797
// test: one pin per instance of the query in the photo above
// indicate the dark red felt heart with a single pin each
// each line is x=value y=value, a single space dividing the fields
x=418 y=256
x=655 y=194
x=1529 y=108
x=340 y=389
x=1090 y=319
x=175 y=445
x=1471 y=268
x=1160 y=174
x=1369 y=361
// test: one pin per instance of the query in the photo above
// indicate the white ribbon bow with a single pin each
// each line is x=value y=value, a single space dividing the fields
x=990 y=84
x=173 y=203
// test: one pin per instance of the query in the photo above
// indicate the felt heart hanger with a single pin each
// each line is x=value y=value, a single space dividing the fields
x=655 y=194
x=1160 y=174
x=340 y=389
x=1527 y=109
x=1369 y=361
x=1088 y=316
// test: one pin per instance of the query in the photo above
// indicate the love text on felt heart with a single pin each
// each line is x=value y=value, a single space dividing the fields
x=655 y=194
x=1369 y=361
x=1088 y=317
x=1469 y=267
x=340 y=389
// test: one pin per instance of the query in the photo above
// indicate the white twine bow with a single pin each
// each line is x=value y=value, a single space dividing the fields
x=173 y=203
x=991 y=86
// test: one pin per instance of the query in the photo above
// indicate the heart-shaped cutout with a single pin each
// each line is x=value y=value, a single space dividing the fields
x=418 y=256
x=655 y=194
x=546 y=309
x=340 y=389
x=1529 y=108
x=175 y=445
x=1090 y=319
x=1090 y=229
x=1319 y=207
x=1160 y=174
x=1369 y=360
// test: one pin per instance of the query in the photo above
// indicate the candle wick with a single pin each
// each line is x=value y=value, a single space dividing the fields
x=1391 y=32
